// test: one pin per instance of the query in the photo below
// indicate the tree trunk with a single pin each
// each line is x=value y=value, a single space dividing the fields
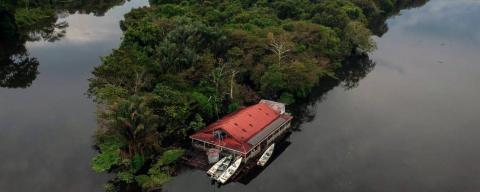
x=231 y=83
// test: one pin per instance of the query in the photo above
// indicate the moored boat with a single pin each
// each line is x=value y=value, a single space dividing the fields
x=230 y=171
x=266 y=155
x=214 y=168
x=223 y=166
x=248 y=133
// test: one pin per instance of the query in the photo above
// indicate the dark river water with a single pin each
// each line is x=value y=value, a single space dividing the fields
x=46 y=129
x=411 y=124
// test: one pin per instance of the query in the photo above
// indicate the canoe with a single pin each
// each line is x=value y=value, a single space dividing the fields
x=266 y=156
x=230 y=171
x=214 y=168
x=223 y=166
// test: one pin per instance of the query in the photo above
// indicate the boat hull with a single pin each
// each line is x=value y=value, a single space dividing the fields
x=230 y=171
x=266 y=155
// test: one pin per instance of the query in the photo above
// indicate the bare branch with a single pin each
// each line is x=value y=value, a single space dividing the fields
x=279 y=48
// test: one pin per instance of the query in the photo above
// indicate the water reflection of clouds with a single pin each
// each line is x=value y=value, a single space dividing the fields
x=52 y=122
x=445 y=20
x=88 y=29
x=85 y=28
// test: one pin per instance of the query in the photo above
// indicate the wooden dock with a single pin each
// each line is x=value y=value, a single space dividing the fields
x=196 y=159
x=247 y=171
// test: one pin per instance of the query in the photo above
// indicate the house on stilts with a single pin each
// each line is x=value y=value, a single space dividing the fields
x=246 y=132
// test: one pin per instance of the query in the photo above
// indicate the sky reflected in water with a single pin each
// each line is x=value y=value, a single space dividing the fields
x=47 y=128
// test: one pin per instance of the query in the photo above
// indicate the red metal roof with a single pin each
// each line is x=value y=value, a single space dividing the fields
x=240 y=126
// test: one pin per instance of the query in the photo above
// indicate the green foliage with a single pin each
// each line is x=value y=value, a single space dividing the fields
x=369 y=7
x=137 y=162
x=110 y=93
x=105 y=160
x=289 y=9
x=156 y=175
x=301 y=77
x=359 y=36
x=172 y=107
x=170 y=156
x=170 y=10
x=196 y=124
x=152 y=181
x=233 y=107
x=386 y=5
x=337 y=13
x=321 y=40
x=126 y=176
x=287 y=98
x=27 y=18
x=109 y=154
x=133 y=120
x=272 y=81
x=204 y=104
x=109 y=187
x=120 y=69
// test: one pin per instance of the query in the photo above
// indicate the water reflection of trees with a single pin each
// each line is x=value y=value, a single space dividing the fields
x=17 y=68
x=379 y=25
x=19 y=71
x=95 y=7
x=348 y=76
x=354 y=69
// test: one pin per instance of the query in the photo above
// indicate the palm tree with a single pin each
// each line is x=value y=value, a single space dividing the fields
x=132 y=119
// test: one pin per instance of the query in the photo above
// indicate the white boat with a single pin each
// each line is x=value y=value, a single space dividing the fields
x=223 y=166
x=230 y=171
x=214 y=168
x=266 y=156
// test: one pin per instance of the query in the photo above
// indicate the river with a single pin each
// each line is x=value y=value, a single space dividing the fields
x=47 y=127
x=410 y=124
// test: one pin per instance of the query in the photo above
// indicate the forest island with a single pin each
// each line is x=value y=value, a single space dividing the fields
x=184 y=64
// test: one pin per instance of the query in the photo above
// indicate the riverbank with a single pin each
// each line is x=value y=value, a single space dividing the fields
x=188 y=64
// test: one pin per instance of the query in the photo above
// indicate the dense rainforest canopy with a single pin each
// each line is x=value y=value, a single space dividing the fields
x=184 y=63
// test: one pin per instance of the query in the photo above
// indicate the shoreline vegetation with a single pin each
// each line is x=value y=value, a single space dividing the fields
x=184 y=64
